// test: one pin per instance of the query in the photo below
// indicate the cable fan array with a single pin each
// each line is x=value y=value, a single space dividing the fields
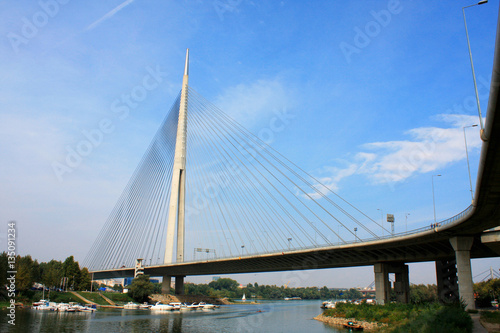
x=242 y=198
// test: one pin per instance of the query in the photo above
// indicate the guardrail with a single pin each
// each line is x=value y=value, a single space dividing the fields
x=365 y=240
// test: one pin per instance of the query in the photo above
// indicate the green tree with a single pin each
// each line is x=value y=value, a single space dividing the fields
x=423 y=293
x=52 y=273
x=141 y=288
x=487 y=291
x=24 y=279
x=71 y=270
x=35 y=272
x=118 y=287
x=4 y=267
x=224 y=283
x=84 y=279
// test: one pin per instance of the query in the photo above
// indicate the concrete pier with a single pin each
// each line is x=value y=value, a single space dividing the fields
x=447 y=284
x=462 y=246
x=165 y=285
x=383 y=285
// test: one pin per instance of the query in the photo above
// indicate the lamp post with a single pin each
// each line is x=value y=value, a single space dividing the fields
x=433 y=200
x=468 y=165
x=355 y=236
x=242 y=247
x=381 y=220
x=289 y=240
x=483 y=137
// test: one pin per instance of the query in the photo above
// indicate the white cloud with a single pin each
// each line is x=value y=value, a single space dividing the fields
x=428 y=149
x=330 y=182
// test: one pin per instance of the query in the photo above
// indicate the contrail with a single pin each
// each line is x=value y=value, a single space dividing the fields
x=109 y=14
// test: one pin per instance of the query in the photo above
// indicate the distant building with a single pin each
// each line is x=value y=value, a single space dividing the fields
x=110 y=282
x=215 y=278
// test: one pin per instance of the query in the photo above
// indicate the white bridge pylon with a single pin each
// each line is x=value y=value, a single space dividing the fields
x=176 y=212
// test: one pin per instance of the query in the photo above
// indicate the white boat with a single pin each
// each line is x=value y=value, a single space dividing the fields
x=145 y=306
x=40 y=302
x=65 y=307
x=175 y=305
x=188 y=307
x=47 y=306
x=243 y=298
x=204 y=306
x=84 y=308
x=161 y=307
x=131 y=305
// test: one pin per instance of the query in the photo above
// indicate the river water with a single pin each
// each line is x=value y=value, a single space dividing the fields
x=280 y=316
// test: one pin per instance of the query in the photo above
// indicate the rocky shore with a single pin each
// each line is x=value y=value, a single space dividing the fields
x=338 y=321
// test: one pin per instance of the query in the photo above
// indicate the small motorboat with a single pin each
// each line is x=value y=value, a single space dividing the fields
x=144 y=306
x=206 y=306
x=161 y=307
x=352 y=325
x=131 y=305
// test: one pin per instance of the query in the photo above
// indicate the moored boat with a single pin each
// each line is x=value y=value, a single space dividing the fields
x=47 y=306
x=204 y=305
x=161 y=307
x=353 y=326
x=145 y=306
x=131 y=305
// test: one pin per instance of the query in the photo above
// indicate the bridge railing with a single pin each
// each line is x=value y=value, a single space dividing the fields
x=365 y=240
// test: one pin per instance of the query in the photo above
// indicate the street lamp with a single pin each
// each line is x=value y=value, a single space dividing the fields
x=406 y=221
x=242 y=247
x=433 y=200
x=468 y=166
x=289 y=240
x=483 y=137
x=355 y=237
x=381 y=220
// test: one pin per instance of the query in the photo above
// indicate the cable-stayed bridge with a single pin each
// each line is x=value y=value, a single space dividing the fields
x=209 y=197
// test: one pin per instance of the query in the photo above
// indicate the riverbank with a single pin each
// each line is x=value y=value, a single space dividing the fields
x=402 y=318
x=339 y=322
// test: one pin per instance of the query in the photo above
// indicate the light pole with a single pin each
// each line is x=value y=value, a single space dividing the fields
x=468 y=165
x=433 y=200
x=289 y=240
x=355 y=236
x=483 y=137
x=381 y=220
x=406 y=221
x=242 y=247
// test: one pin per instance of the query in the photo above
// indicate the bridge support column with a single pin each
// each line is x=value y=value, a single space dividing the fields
x=402 y=284
x=383 y=285
x=179 y=285
x=462 y=246
x=447 y=285
x=165 y=285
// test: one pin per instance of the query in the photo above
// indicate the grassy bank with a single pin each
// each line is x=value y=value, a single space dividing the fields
x=118 y=298
x=408 y=318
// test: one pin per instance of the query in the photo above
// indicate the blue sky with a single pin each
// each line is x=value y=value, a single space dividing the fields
x=377 y=94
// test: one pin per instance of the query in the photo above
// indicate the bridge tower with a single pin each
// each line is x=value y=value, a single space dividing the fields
x=178 y=189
